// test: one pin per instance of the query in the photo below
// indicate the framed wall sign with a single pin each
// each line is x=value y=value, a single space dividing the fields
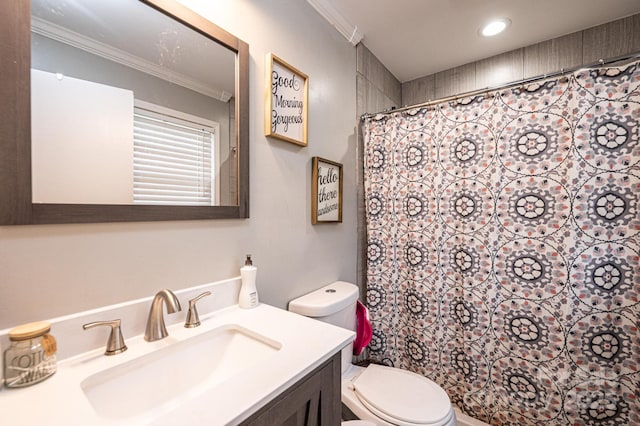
x=286 y=102
x=326 y=191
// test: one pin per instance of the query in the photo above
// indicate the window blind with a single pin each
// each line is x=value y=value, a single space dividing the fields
x=172 y=161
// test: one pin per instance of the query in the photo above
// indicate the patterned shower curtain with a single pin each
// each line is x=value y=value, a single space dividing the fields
x=503 y=248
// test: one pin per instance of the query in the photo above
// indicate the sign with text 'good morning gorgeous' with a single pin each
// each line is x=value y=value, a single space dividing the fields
x=286 y=102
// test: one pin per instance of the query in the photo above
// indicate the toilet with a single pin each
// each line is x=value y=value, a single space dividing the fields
x=376 y=394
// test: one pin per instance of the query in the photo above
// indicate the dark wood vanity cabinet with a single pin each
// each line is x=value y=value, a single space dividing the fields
x=313 y=401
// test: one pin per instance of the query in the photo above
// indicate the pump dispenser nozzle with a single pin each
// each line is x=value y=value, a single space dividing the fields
x=248 y=261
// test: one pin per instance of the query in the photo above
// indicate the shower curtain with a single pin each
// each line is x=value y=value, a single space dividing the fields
x=503 y=248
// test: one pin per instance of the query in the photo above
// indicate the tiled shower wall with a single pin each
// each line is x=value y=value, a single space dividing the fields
x=378 y=90
x=585 y=47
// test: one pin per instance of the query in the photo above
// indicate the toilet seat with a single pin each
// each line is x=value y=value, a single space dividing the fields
x=401 y=397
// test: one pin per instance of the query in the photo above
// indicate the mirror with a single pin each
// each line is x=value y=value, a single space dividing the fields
x=116 y=121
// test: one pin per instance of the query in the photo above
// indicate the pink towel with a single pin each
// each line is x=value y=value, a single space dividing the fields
x=363 y=329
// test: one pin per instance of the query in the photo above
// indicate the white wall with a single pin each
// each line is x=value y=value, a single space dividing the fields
x=81 y=141
x=52 y=270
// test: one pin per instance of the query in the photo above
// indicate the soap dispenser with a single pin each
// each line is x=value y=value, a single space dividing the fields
x=248 y=294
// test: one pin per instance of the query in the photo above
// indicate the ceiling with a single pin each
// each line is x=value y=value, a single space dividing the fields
x=136 y=35
x=415 y=38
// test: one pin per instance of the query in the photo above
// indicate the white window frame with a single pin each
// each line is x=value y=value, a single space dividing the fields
x=157 y=112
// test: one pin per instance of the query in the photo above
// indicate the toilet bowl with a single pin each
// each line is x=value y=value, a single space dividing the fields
x=379 y=394
x=395 y=397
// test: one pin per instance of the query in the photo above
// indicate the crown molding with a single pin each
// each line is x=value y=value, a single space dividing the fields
x=79 y=41
x=335 y=18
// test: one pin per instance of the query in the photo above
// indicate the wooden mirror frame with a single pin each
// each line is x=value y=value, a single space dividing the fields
x=16 y=207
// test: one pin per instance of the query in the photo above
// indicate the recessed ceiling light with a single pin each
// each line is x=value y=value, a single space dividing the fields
x=495 y=27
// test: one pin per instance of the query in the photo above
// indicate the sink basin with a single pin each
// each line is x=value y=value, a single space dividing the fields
x=153 y=383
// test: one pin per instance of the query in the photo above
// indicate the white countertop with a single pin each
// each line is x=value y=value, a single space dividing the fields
x=305 y=344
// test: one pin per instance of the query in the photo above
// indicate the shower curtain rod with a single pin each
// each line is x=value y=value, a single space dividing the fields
x=562 y=72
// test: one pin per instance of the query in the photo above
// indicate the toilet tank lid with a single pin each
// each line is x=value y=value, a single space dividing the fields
x=326 y=300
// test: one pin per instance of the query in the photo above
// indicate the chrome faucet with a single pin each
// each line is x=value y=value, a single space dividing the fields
x=156 y=329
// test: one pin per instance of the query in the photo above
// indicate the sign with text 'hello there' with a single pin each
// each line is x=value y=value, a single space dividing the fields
x=326 y=191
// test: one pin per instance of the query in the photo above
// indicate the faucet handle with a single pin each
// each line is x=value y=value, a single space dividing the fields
x=193 y=320
x=115 y=344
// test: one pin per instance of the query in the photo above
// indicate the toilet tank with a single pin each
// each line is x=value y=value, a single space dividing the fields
x=334 y=304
